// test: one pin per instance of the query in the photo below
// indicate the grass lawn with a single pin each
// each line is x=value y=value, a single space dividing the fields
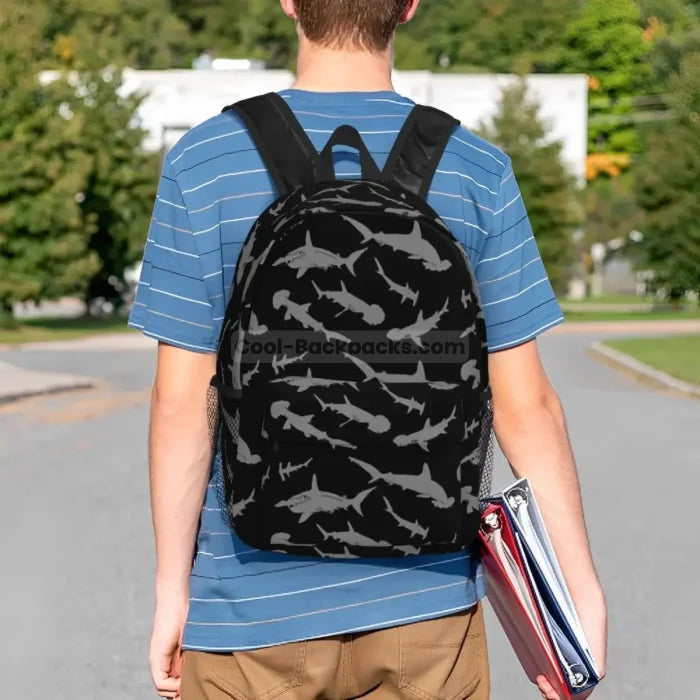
x=604 y=315
x=42 y=329
x=678 y=356
x=610 y=299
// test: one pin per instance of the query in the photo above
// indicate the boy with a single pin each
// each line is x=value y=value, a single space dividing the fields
x=242 y=623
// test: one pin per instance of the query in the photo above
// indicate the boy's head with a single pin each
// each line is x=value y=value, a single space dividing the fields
x=366 y=25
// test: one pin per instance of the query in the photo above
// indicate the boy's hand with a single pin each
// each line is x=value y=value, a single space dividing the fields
x=165 y=655
x=593 y=616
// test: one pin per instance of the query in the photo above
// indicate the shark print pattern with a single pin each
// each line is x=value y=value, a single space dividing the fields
x=418 y=329
x=314 y=500
x=377 y=424
x=427 y=433
x=356 y=454
x=414 y=245
x=422 y=484
x=280 y=409
x=404 y=291
x=310 y=257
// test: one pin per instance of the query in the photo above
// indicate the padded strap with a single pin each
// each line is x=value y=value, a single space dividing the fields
x=286 y=150
x=419 y=147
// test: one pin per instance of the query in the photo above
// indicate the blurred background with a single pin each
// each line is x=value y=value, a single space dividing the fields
x=598 y=104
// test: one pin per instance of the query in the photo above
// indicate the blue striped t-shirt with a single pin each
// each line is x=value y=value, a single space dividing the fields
x=213 y=187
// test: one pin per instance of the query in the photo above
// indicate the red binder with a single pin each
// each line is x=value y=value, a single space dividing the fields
x=516 y=605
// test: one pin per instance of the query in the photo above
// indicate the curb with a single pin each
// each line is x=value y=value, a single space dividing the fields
x=19 y=383
x=625 y=362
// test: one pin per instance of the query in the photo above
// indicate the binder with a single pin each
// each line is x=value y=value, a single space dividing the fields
x=528 y=593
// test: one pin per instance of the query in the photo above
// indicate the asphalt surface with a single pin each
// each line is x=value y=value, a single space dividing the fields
x=76 y=562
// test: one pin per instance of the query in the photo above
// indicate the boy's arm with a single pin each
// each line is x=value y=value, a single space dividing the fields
x=180 y=461
x=531 y=430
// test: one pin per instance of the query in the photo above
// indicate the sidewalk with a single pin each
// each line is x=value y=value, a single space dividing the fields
x=17 y=383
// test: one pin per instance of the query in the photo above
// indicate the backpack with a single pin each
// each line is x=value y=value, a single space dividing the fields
x=352 y=384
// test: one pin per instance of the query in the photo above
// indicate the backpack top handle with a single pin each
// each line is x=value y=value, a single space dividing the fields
x=348 y=136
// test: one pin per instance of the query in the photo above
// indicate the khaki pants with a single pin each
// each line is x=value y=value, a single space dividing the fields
x=444 y=659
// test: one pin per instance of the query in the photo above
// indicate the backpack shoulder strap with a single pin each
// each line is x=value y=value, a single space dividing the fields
x=286 y=150
x=419 y=147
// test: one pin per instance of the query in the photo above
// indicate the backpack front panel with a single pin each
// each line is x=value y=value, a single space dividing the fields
x=362 y=453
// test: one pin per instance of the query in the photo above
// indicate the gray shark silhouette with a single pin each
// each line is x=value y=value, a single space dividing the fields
x=309 y=381
x=422 y=483
x=280 y=409
x=471 y=371
x=300 y=313
x=409 y=404
x=472 y=502
x=404 y=291
x=413 y=244
x=408 y=549
x=417 y=377
x=254 y=326
x=278 y=365
x=310 y=257
x=421 y=326
x=249 y=375
x=377 y=424
x=415 y=528
x=290 y=469
x=244 y=454
x=371 y=313
x=427 y=433
x=266 y=477
x=314 y=500
x=469 y=331
x=352 y=537
x=239 y=507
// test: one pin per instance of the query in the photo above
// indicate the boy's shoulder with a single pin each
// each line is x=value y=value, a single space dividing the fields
x=474 y=150
x=224 y=132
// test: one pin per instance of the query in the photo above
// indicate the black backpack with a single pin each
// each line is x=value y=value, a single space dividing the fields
x=352 y=368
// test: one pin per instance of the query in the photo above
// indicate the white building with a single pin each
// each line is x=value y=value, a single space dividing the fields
x=180 y=99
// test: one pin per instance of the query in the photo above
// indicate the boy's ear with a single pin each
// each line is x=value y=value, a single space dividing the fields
x=289 y=8
x=409 y=11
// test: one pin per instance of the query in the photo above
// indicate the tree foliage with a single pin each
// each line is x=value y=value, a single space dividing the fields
x=44 y=233
x=547 y=187
x=668 y=188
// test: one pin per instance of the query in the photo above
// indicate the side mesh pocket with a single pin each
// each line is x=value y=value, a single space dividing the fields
x=486 y=450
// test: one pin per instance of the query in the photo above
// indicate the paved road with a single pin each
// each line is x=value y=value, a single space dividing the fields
x=77 y=559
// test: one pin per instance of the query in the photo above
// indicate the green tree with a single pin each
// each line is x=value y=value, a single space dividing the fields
x=500 y=36
x=139 y=34
x=668 y=188
x=607 y=41
x=549 y=190
x=44 y=233
x=121 y=184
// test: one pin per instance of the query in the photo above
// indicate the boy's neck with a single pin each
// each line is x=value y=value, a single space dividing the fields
x=336 y=70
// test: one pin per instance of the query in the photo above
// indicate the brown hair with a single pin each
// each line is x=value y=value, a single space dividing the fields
x=361 y=24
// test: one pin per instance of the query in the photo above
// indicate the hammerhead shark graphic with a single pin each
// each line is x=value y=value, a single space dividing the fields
x=418 y=329
x=314 y=500
x=427 y=433
x=377 y=424
x=244 y=454
x=415 y=528
x=404 y=291
x=280 y=409
x=371 y=313
x=278 y=365
x=422 y=483
x=287 y=471
x=300 y=313
x=412 y=244
x=352 y=537
x=309 y=381
x=409 y=404
x=310 y=257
